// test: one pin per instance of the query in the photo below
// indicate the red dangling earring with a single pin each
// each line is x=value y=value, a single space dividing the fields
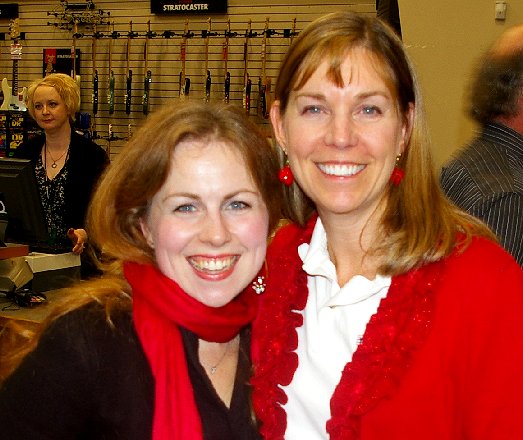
x=397 y=173
x=285 y=175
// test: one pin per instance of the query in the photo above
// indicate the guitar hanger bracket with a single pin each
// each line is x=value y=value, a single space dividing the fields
x=230 y=34
x=206 y=33
x=21 y=36
x=169 y=34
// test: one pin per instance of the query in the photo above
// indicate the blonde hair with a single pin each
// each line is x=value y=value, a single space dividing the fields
x=419 y=225
x=124 y=194
x=65 y=86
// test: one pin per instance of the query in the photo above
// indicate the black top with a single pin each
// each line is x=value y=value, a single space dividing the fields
x=85 y=164
x=486 y=180
x=86 y=380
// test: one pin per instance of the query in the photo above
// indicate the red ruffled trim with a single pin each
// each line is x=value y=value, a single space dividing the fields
x=392 y=337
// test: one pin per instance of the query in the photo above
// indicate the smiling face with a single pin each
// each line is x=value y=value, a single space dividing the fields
x=208 y=223
x=49 y=108
x=342 y=142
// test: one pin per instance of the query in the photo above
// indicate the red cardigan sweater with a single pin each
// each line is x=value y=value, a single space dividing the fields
x=441 y=359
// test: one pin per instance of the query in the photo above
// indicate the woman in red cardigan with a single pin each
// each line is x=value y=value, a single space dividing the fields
x=389 y=313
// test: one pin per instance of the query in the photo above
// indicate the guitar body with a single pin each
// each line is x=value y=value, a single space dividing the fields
x=208 y=82
x=261 y=98
x=13 y=102
x=13 y=98
x=95 y=92
x=267 y=98
x=185 y=85
x=146 y=89
x=227 y=86
x=128 y=85
x=110 y=95
x=247 y=96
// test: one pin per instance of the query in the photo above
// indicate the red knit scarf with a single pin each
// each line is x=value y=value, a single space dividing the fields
x=160 y=306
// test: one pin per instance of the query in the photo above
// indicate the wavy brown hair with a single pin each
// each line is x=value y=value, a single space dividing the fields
x=419 y=225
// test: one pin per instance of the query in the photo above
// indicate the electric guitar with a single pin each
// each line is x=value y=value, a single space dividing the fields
x=129 y=78
x=147 y=72
x=184 y=82
x=247 y=83
x=112 y=79
x=73 y=53
x=227 y=81
x=264 y=83
x=13 y=99
x=208 y=79
x=95 y=72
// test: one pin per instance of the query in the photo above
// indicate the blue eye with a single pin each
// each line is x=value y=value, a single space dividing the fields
x=238 y=205
x=371 y=110
x=185 y=208
x=312 y=109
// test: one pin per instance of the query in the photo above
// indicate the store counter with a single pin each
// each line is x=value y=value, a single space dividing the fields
x=53 y=271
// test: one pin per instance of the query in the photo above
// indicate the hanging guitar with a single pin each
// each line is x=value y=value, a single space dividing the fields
x=112 y=79
x=73 y=53
x=264 y=83
x=184 y=82
x=13 y=99
x=208 y=79
x=129 y=77
x=95 y=74
x=147 y=79
x=227 y=80
x=247 y=83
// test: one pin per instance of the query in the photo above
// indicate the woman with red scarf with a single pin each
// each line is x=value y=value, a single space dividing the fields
x=158 y=347
x=389 y=313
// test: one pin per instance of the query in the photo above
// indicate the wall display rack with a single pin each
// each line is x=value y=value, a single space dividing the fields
x=205 y=83
x=216 y=52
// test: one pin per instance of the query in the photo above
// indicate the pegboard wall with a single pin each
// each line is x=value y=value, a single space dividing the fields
x=125 y=36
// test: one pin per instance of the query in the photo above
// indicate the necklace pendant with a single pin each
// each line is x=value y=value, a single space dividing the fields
x=53 y=165
x=213 y=369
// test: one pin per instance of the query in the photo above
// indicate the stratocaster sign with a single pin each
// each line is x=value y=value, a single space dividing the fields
x=188 y=6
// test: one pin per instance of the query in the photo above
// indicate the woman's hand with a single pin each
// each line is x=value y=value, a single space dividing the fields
x=79 y=239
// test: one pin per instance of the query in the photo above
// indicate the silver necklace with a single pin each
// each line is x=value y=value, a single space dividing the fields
x=53 y=165
x=213 y=368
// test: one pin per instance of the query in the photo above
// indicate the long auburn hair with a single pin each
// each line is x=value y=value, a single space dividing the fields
x=124 y=193
x=419 y=225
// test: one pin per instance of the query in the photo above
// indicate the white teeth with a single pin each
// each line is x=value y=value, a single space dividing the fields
x=212 y=264
x=340 y=170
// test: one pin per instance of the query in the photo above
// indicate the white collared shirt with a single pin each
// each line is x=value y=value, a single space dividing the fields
x=334 y=321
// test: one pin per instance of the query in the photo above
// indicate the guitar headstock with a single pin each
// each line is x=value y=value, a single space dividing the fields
x=14 y=29
x=49 y=60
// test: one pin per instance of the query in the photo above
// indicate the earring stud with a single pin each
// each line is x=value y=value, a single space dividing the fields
x=258 y=285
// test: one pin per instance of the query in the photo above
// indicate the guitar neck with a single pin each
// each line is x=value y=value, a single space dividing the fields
x=129 y=78
x=15 y=78
x=246 y=80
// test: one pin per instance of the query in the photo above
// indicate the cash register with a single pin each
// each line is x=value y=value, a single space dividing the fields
x=24 y=240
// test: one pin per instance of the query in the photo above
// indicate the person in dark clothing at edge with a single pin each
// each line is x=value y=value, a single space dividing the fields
x=485 y=178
